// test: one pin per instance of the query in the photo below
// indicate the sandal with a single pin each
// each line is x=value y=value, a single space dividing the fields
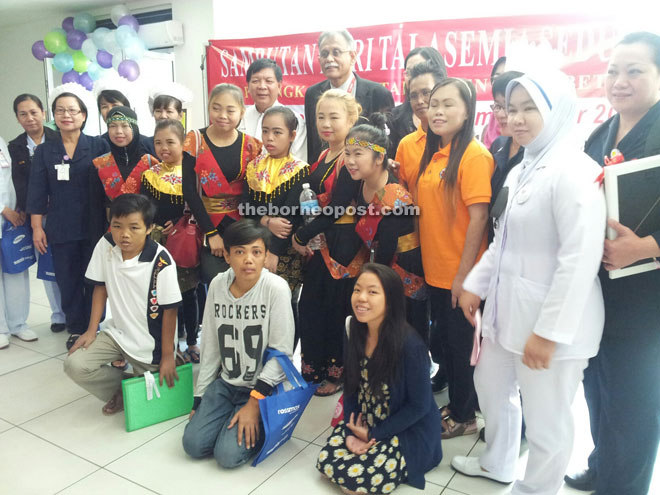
x=445 y=412
x=114 y=405
x=72 y=340
x=338 y=387
x=452 y=428
x=191 y=356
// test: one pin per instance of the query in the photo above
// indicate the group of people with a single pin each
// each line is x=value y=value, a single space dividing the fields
x=421 y=223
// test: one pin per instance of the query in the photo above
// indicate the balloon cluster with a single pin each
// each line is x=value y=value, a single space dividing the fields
x=85 y=53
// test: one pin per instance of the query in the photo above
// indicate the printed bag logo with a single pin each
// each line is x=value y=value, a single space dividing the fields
x=288 y=410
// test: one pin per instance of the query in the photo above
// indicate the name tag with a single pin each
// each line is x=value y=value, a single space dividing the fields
x=62 y=171
x=4 y=163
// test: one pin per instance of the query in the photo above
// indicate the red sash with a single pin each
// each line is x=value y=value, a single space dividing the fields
x=113 y=183
x=330 y=181
x=224 y=194
x=390 y=197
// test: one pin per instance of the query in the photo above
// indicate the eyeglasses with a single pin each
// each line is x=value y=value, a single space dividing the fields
x=71 y=111
x=496 y=107
x=336 y=53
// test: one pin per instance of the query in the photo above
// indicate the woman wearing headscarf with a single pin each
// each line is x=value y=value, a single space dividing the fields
x=544 y=312
x=621 y=382
x=120 y=171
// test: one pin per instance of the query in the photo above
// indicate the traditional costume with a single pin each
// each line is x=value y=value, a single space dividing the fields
x=271 y=182
x=388 y=230
x=328 y=280
x=213 y=185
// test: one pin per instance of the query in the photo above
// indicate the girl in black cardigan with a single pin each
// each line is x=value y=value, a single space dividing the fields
x=392 y=428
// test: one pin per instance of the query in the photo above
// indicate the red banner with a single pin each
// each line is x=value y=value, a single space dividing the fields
x=469 y=46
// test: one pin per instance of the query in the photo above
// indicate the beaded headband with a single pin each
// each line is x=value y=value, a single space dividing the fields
x=120 y=117
x=365 y=144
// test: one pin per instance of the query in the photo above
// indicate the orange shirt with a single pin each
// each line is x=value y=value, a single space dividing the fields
x=408 y=154
x=442 y=228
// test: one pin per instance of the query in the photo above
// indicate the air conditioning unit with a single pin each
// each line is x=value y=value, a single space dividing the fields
x=161 y=34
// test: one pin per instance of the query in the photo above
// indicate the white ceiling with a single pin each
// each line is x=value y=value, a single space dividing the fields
x=14 y=12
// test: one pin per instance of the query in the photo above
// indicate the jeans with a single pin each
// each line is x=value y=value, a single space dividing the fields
x=207 y=434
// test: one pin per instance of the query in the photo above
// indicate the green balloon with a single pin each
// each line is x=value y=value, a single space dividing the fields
x=80 y=62
x=55 y=42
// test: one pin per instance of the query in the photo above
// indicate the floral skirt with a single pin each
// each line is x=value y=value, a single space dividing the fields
x=290 y=267
x=380 y=470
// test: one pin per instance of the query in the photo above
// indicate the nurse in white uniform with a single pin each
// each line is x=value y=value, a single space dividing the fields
x=543 y=317
x=14 y=288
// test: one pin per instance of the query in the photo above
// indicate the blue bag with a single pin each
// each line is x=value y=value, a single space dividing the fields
x=281 y=411
x=17 y=249
x=46 y=266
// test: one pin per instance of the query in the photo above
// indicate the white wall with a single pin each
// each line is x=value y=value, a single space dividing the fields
x=20 y=72
x=197 y=18
x=268 y=18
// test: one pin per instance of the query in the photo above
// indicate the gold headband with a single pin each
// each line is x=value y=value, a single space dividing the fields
x=365 y=144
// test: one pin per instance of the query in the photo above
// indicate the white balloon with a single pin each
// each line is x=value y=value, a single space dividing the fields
x=135 y=50
x=89 y=49
x=117 y=59
x=98 y=35
x=117 y=12
x=110 y=43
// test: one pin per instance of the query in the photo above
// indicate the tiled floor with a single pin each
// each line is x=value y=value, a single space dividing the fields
x=54 y=439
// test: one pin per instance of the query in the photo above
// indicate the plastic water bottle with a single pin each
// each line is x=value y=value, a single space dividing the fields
x=309 y=208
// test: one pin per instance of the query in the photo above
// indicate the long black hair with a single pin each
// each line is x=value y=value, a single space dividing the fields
x=385 y=363
x=460 y=141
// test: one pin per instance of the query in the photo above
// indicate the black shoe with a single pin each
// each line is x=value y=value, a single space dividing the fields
x=582 y=480
x=71 y=340
x=482 y=434
x=57 y=327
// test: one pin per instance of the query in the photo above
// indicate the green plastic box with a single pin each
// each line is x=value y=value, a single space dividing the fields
x=172 y=403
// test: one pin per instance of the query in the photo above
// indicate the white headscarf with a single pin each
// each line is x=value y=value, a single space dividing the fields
x=554 y=95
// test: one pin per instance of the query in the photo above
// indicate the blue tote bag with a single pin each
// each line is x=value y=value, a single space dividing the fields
x=17 y=249
x=281 y=411
x=46 y=266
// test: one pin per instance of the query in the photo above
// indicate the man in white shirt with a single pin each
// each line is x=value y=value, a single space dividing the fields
x=264 y=78
x=138 y=278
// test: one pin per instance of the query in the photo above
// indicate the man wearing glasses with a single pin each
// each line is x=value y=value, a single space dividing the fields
x=337 y=57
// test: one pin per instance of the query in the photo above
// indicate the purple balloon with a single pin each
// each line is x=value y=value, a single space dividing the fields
x=131 y=21
x=39 y=50
x=86 y=81
x=129 y=69
x=67 y=24
x=70 y=77
x=104 y=59
x=75 y=39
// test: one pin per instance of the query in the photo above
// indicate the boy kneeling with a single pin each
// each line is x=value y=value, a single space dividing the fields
x=139 y=279
x=248 y=309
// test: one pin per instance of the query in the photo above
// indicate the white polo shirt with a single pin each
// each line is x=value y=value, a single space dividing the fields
x=139 y=290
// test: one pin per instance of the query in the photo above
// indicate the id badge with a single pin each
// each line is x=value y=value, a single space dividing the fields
x=62 y=171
